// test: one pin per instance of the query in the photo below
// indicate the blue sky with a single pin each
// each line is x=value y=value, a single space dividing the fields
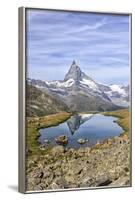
x=98 y=42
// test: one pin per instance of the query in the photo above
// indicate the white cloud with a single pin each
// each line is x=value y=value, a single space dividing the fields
x=96 y=41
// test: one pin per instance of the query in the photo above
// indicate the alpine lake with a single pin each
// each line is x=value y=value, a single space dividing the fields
x=90 y=128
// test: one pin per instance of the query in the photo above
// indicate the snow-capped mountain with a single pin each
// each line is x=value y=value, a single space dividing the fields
x=75 y=77
x=118 y=94
x=82 y=93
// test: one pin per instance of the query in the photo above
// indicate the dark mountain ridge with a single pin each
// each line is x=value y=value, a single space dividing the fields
x=40 y=103
x=80 y=93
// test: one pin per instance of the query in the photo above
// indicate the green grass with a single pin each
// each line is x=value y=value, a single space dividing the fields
x=123 y=119
x=36 y=123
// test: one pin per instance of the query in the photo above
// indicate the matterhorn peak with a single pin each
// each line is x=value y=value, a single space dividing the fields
x=74 y=72
x=74 y=66
x=73 y=63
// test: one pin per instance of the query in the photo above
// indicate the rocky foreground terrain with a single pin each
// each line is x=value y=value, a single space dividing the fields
x=104 y=164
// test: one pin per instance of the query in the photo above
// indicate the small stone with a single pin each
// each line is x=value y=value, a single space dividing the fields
x=38 y=187
x=54 y=186
x=82 y=141
x=86 y=182
x=38 y=173
x=47 y=173
x=103 y=180
x=61 y=140
x=58 y=150
x=42 y=146
x=122 y=181
x=46 y=141
x=70 y=179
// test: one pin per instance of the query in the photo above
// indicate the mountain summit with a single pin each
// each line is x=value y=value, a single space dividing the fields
x=74 y=72
x=81 y=93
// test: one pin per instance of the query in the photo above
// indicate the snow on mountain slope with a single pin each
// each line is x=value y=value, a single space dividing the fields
x=90 y=84
x=77 y=85
x=75 y=77
x=67 y=83
x=119 y=94
x=118 y=88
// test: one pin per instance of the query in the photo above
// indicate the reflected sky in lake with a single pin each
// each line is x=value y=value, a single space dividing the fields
x=94 y=127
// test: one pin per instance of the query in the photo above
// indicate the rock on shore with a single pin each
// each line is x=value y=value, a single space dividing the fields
x=105 y=164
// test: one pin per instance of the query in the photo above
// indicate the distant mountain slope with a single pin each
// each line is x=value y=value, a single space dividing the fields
x=81 y=93
x=39 y=103
x=118 y=94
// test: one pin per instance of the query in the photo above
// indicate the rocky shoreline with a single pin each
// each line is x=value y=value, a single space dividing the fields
x=104 y=164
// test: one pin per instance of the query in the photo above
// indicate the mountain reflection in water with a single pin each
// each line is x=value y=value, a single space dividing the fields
x=75 y=121
x=93 y=127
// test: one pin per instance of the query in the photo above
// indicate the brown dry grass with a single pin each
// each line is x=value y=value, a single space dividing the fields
x=35 y=123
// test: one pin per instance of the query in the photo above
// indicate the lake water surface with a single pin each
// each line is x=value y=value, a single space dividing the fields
x=94 y=127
